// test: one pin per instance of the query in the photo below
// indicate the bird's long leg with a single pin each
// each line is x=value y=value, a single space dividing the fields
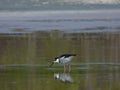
x=64 y=68
x=69 y=68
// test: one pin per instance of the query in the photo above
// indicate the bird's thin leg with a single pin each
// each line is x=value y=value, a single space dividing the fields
x=64 y=68
x=69 y=68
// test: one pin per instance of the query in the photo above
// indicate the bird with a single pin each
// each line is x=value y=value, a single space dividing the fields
x=64 y=59
x=64 y=77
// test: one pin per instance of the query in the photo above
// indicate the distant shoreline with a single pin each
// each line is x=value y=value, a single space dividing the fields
x=56 y=12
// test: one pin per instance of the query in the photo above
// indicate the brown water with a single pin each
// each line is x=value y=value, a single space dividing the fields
x=24 y=61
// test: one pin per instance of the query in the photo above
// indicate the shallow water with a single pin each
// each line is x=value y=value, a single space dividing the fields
x=32 y=77
x=25 y=60
x=34 y=32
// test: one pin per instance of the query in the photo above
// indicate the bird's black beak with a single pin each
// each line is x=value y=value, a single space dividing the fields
x=51 y=64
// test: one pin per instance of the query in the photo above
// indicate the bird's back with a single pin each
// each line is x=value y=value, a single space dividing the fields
x=66 y=58
x=67 y=55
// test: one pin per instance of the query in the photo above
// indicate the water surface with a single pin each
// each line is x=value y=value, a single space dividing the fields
x=25 y=60
x=34 y=32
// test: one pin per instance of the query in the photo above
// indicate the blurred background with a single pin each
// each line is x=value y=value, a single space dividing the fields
x=34 y=32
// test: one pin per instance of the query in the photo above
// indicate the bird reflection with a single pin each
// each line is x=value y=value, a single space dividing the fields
x=64 y=77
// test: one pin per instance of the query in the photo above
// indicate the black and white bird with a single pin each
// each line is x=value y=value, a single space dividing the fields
x=64 y=77
x=64 y=60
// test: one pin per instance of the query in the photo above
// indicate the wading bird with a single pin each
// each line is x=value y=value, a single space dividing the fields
x=64 y=60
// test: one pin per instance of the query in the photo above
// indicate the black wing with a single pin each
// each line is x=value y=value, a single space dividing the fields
x=67 y=55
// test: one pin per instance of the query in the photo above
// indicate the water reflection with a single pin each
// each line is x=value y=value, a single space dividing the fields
x=36 y=77
x=42 y=47
x=24 y=59
x=64 y=77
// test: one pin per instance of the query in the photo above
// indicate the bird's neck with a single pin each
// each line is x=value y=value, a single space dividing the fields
x=57 y=60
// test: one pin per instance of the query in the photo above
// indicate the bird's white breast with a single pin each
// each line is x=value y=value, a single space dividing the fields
x=65 y=59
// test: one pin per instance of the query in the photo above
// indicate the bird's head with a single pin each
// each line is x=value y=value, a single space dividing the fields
x=55 y=61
